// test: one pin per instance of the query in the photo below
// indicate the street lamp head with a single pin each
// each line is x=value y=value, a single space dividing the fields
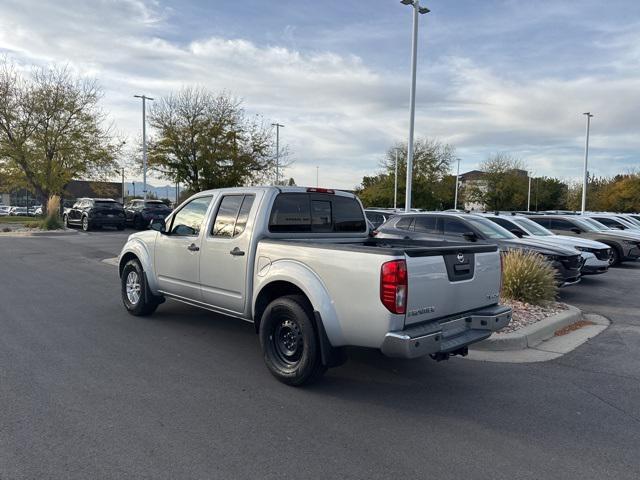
x=423 y=10
x=589 y=114
x=406 y=2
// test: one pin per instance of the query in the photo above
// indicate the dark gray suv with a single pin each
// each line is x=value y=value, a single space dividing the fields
x=625 y=245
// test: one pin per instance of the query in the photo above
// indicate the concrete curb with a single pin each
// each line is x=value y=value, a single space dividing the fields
x=531 y=335
x=548 y=350
x=39 y=233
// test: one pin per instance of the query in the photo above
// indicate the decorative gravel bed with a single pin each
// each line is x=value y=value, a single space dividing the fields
x=526 y=314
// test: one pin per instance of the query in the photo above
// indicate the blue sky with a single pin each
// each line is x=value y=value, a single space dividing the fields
x=494 y=76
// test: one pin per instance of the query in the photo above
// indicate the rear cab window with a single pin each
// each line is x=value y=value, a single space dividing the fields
x=316 y=213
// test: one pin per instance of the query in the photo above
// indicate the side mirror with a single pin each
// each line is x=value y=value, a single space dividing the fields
x=576 y=230
x=517 y=232
x=470 y=236
x=158 y=225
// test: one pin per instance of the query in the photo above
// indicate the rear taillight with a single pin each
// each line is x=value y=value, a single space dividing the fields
x=394 y=286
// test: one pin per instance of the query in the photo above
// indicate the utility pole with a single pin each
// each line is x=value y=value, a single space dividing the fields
x=529 y=194
x=417 y=9
x=278 y=126
x=585 y=178
x=134 y=189
x=455 y=201
x=144 y=142
x=395 y=182
x=122 y=169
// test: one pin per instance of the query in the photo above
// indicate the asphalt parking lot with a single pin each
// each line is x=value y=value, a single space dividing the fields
x=88 y=391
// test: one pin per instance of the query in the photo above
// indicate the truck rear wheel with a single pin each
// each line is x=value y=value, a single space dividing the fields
x=290 y=342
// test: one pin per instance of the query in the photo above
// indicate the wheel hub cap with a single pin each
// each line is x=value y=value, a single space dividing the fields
x=133 y=287
x=288 y=341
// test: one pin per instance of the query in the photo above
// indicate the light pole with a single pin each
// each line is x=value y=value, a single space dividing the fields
x=417 y=9
x=317 y=176
x=529 y=194
x=395 y=184
x=455 y=201
x=586 y=156
x=144 y=142
x=278 y=126
x=134 y=189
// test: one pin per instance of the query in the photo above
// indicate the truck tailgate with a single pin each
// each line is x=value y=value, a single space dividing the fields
x=451 y=281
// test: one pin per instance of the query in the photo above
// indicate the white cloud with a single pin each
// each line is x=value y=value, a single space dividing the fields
x=340 y=112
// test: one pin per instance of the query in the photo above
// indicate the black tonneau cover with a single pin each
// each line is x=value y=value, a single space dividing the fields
x=395 y=247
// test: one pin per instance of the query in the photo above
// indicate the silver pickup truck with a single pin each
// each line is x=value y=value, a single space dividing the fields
x=299 y=263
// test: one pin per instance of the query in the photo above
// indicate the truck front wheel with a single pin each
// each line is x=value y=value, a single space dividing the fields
x=136 y=298
x=289 y=341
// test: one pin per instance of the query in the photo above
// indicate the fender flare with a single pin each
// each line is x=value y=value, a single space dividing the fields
x=310 y=284
x=136 y=248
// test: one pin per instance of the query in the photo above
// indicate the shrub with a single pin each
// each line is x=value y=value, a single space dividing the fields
x=52 y=220
x=528 y=277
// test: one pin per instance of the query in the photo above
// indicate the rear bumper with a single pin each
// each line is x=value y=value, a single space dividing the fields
x=106 y=221
x=446 y=336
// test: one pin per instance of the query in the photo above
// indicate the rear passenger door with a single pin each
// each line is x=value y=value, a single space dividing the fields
x=225 y=256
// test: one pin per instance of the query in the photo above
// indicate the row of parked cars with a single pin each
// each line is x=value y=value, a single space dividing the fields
x=94 y=213
x=575 y=245
x=13 y=211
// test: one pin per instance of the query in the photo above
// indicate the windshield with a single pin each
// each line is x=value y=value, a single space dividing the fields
x=532 y=227
x=591 y=225
x=489 y=229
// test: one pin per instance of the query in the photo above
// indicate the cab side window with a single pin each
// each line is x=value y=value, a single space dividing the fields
x=188 y=221
x=232 y=215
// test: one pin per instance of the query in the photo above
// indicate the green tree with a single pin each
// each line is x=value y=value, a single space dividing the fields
x=51 y=130
x=207 y=141
x=548 y=194
x=504 y=185
x=432 y=187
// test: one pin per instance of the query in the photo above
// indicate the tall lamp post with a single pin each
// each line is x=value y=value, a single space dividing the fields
x=529 y=193
x=586 y=156
x=455 y=201
x=144 y=142
x=278 y=127
x=317 y=176
x=395 y=184
x=417 y=10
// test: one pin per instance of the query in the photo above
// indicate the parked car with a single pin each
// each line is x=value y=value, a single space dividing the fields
x=19 y=211
x=90 y=213
x=596 y=255
x=614 y=221
x=140 y=213
x=378 y=217
x=625 y=245
x=36 y=210
x=4 y=210
x=299 y=264
x=567 y=262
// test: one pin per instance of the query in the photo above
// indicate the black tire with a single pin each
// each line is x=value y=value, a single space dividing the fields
x=289 y=341
x=137 y=223
x=145 y=304
x=86 y=226
x=65 y=219
x=615 y=257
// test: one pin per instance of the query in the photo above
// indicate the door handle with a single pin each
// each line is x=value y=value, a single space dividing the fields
x=236 y=252
x=193 y=248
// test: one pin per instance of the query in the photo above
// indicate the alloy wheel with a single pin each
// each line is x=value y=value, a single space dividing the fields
x=133 y=288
